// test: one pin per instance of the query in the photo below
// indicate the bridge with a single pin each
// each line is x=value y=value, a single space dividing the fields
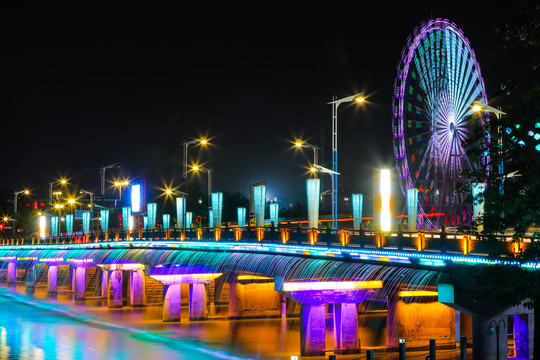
x=420 y=278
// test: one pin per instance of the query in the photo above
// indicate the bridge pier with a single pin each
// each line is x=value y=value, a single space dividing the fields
x=12 y=272
x=137 y=294
x=52 y=279
x=314 y=296
x=115 y=291
x=172 y=280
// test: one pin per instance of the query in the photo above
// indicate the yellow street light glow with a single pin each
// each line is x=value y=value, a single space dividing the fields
x=195 y=168
x=360 y=99
x=476 y=107
x=26 y=192
x=332 y=285
x=204 y=141
x=5 y=218
x=168 y=191
x=417 y=293
x=71 y=201
x=385 y=200
x=298 y=144
x=63 y=181
x=313 y=169
x=59 y=206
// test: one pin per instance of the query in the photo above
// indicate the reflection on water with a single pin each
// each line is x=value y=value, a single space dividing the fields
x=37 y=332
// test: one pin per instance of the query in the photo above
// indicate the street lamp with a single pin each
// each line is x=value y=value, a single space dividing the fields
x=119 y=185
x=315 y=148
x=479 y=106
x=209 y=171
x=185 y=147
x=102 y=171
x=16 y=194
x=62 y=181
x=359 y=98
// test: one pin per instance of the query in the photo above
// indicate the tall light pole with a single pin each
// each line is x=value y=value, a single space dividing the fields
x=335 y=104
x=209 y=171
x=102 y=171
x=185 y=146
x=315 y=151
x=63 y=182
x=479 y=106
x=16 y=194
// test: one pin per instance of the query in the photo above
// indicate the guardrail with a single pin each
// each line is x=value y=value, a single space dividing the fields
x=438 y=242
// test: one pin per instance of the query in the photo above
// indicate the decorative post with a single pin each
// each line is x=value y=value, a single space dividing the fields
x=274 y=212
x=217 y=208
x=313 y=188
x=412 y=207
x=241 y=217
x=104 y=214
x=180 y=212
x=166 y=221
x=357 y=206
x=259 y=202
x=126 y=215
x=151 y=211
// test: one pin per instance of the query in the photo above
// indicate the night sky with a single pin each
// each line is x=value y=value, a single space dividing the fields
x=85 y=89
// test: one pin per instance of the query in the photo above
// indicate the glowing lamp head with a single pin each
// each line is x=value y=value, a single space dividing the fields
x=204 y=141
x=168 y=191
x=476 y=108
x=360 y=99
x=298 y=144
x=313 y=170
x=5 y=218
x=63 y=181
x=26 y=192
x=71 y=201
x=196 y=168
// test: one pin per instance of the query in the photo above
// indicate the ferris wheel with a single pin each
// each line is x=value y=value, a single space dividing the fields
x=438 y=78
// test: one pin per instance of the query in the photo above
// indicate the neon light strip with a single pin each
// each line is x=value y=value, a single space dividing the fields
x=253 y=277
x=332 y=285
x=417 y=293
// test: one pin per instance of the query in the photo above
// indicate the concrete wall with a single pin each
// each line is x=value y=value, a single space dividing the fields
x=254 y=300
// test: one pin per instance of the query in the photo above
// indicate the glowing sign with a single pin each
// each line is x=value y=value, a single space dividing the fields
x=331 y=285
x=385 y=200
x=135 y=197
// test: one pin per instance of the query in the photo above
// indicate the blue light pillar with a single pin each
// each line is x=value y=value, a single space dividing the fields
x=357 y=207
x=259 y=201
x=86 y=222
x=180 y=212
x=412 y=208
x=69 y=224
x=217 y=208
x=126 y=215
x=313 y=188
x=104 y=214
x=189 y=219
x=151 y=211
x=166 y=221
x=274 y=212
x=54 y=226
x=241 y=217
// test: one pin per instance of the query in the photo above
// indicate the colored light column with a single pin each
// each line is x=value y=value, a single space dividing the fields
x=274 y=211
x=217 y=208
x=189 y=219
x=104 y=214
x=166 y=221
x=180 y=212
x=313 y=188
x=357 y=205
x=259 y=201
x=412 y=207
x=126 y=215
x=69 y=224
x=54 y=226
x=385 y=200
x=241 y=217
x=42 y=226
x=151 y=211
x=86 y=222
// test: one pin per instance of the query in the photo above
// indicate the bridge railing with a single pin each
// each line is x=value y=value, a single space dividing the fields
x=441 y=242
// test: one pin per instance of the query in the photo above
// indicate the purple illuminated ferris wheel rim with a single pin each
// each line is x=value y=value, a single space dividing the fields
x=438 y=78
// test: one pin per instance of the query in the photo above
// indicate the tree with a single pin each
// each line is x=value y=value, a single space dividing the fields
x=512 y=192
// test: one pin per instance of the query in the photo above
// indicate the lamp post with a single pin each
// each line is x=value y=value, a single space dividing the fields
x=63 y=182
x=479 y=106
x=209 y=171
x=119 y=185
x=102 y=171
x=315 y=152
x=491 y=331
x=91 y=203
x=16 y=194
x=185 y=146
x=335 y=104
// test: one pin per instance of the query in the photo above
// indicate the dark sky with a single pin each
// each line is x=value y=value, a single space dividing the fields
x=85 y=88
